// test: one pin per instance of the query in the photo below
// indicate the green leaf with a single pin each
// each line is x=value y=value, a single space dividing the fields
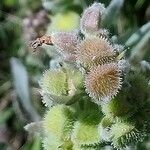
x=138 y=35
x=21 y=84
x=112 y=11
x=5 y=115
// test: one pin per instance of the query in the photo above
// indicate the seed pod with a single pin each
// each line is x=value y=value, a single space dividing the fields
x=125 y=133
x=103 y=82
x=55 y=82
x=59 y=121
x=85 y=134
x=66 y=43
x=56 y=87
x=58 y=124
x=94 y=51
x=61 y=85
x=85 y=131
x=91 y=18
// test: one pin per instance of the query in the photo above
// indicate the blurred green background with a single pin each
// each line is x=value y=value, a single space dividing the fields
x=22 y=21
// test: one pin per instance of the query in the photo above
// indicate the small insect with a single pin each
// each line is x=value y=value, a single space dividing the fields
x=31 y=23
x=42 y=40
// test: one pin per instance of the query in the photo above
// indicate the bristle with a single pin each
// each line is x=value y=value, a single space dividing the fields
x=55 y=82
x=66 y=42
x=124 y=134
x=103 y=81
x=59 y=121
x=95 y=51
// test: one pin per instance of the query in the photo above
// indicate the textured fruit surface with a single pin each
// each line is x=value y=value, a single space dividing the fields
x=103 y=81
x=55 y=82
x=91 y=18
x=58 y=122
x=94 y=51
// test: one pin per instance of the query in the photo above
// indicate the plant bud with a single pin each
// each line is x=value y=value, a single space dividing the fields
x=61 y=85
x=56 y=87
x=91 y=18
x=103 y=82
x=55 y=82
x=66 y=43
x=95 y=51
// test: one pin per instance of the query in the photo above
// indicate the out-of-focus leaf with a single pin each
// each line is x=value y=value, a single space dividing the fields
x=67 y=21
x=138 y=35
x=5 y=87
x=56 y=5
x=21 y=84
x=5 y=115
x=145 y=65
x=10 y=3
x=139 y=51
x=112 y=11
x=139 y=3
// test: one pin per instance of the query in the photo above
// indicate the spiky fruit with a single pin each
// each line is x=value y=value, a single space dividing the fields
x=58 y=122
x=66 y=43
x=85 y=132
x=55 y=82
x=61 y=85
x=117 y=108
x=76 y=76
x=55 y=87
x=125 y=133
x=91 y=18
x=94 y=51
x=103 y=82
